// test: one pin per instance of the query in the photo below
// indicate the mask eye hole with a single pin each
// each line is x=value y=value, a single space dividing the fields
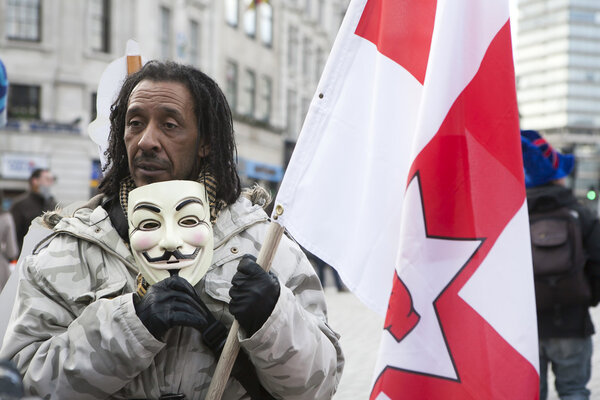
x=189 y=221
x=149 y=225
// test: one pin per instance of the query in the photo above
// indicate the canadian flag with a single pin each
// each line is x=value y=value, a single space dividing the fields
x=408 y=178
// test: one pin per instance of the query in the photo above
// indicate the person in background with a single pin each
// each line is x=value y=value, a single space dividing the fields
x=564 y=324
x=321 y=267
x=8 y=244
x=33 y=203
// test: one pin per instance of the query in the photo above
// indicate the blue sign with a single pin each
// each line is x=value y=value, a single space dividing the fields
x=96 y=173
x=261 y=171
x=3 y=94
x=20 y=165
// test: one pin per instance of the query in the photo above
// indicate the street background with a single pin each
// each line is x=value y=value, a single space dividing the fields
x=360 y=330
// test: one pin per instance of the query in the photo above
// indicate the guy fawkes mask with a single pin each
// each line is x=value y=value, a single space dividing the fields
x=170 y=230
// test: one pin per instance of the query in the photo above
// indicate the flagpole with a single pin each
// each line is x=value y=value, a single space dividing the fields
x=232 y=345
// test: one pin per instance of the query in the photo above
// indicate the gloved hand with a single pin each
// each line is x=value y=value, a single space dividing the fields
x=174 y=302
x=254 y=293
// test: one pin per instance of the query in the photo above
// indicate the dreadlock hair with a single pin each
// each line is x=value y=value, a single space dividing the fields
x=215 y=128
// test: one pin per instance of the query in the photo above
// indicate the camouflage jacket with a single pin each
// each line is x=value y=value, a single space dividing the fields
x=74 y=333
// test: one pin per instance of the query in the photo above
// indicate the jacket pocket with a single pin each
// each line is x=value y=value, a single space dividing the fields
x=111 y=290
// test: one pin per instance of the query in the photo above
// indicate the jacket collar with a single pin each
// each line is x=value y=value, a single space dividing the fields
x=91 y=222
x=236 y=218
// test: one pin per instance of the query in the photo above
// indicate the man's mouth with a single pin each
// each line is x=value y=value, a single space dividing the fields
x=150 y=165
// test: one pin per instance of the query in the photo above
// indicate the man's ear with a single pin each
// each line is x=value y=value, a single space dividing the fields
x=203 y=150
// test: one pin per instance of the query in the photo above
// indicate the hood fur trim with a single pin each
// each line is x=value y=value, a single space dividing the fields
x=51 y=218
x=257 y=195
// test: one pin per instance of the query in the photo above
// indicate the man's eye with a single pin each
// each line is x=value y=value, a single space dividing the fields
x=134 y=123
x=188 y=222
x=149 y=225
x=170 y=125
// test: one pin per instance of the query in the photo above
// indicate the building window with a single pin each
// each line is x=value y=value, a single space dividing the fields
x=93 y=109
x=305 y=107
x=321 y=11
x=250 y=92
x=307 y=8
x=165 y=33
x=307 y=57
x=194 y=53
x=266 y=95
x=100 y=25
x=250 y=18
x=23 y=20
x=319 y=63
x=23 y=102
x=292 y=112
x=231 y=76
x=265 y=12
x=342 y=14
x=292 y=46
x=232 y=12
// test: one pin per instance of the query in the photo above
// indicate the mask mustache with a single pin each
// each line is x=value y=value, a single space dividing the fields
x=168 y=254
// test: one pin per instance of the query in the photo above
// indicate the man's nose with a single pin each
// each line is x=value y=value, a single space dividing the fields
x=149 y=141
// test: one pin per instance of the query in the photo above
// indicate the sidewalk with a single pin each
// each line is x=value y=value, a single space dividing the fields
x=360 y=330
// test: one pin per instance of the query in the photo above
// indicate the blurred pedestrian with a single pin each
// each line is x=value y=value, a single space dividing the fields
x=321 y=267
x=566 y=261
x=8 y=245
x=33 y=203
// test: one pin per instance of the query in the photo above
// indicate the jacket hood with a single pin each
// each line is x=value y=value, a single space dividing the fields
x=51 y=218
x=549 y=197
x=79 y=218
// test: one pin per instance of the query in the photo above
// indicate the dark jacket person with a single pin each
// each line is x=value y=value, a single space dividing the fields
x=33 y=203
x=564 y=326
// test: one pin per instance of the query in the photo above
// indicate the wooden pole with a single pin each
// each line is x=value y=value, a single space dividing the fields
x=232 y=345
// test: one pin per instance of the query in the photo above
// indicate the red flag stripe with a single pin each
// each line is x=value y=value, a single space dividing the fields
x=401 y=30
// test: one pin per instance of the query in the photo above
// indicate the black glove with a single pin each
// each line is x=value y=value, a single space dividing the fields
x=254 y=293
x=174 y=302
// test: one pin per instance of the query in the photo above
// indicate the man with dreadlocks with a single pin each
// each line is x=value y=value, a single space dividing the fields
x=84 y=328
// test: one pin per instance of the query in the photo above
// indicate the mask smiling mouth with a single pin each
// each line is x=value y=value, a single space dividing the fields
x=171 y=257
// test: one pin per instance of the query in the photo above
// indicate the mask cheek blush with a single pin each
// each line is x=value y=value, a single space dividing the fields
x=199 y=237
x=141 y=242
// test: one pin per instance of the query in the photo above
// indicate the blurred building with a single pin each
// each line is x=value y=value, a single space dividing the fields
x=267 y=56
x=558 y=79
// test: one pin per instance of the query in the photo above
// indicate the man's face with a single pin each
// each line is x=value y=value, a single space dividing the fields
x=169 y=229
x=161 y=132
x=46 y=179
x=43 y=182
